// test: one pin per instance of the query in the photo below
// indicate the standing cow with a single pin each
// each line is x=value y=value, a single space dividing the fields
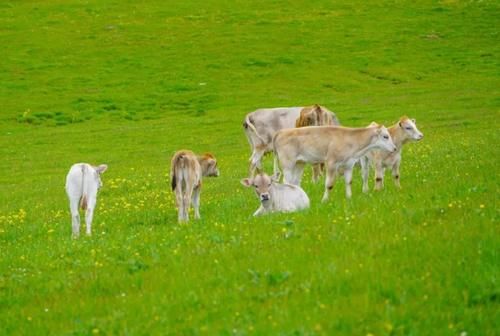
x=316 y=115
x=261 y=125
x=82 y=183
x=186 y=171
x=404 y=131
x=338 y=147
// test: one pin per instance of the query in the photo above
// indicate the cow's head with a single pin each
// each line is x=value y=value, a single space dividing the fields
x=382 y=139
x=409 y=126
x=309 y=116
x=209 y=165
x=262 y=184
x=98 y=171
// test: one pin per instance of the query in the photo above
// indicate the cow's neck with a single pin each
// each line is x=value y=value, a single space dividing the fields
x=398 y=135
x=365 y=144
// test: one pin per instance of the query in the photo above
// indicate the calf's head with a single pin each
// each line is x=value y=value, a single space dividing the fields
x=382 y=139
x=208 y=165
x=262 y=184
x=409 y=126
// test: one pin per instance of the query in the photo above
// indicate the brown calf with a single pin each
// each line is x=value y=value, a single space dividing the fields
x=186 y=171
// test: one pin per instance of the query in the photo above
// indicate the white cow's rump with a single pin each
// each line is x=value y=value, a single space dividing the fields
x=402 y=132
x=82 y=183
x=338 y=147
x=276 y=197
x=186 y=171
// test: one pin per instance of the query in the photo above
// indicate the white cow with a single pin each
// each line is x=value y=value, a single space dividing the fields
x=261 y=125
x=276 y=197
x=82 y=183
x=401 y=133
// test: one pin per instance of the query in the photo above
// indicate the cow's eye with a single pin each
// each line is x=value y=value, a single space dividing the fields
x=408 y=128
x=269 y=185
x=386 y=137
x=256 y=186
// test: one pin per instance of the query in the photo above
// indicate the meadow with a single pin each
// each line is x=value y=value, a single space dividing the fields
x=128 y=83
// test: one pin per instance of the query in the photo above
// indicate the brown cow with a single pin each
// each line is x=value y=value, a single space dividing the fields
x=186 y=171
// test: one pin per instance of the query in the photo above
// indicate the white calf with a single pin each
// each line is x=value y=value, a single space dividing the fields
x=275 y=197
x=82 y=183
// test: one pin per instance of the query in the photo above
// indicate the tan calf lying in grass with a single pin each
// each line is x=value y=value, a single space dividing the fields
x=401 y=133
x=186 y=171
x=82 y=183
x=339 y=147
x=276 y=197
x=316 y=115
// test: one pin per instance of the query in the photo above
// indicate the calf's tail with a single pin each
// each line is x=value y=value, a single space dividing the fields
x=177 y=162
x=83 y=199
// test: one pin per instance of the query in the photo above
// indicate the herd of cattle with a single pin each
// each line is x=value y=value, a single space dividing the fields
x=296 y=136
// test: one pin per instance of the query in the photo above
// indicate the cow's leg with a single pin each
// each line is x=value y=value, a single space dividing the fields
x=187 y=199
x=288 y=169
x=276 y=168
x=74 y=203
x=348 y=181
x=255 y=161
x=89 y=214
x=298 y=170
x=365 y=172
x=316 y=172
x=395 y=173
x=180 y=202
x=196 y=201
x=260 y=211
x=379 y=176
x=330 y=180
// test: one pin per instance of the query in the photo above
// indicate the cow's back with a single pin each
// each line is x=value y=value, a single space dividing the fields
x=290 y=197
x=267 y=121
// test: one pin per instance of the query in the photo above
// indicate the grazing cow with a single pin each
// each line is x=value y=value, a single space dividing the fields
x=186 y=171
x=82 y=183
x=338 y=147
x=401 y=133
x=260 y=127
x=316 y=115
x=276 y=197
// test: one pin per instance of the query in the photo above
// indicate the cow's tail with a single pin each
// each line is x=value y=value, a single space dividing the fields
x=83 y=199
x=276 y=161
x=248 y=124
x=177 y=162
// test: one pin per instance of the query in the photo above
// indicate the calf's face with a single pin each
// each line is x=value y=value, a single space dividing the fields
x=409 y=126
x=383 y=139
x=209 y=165
x=262 y=184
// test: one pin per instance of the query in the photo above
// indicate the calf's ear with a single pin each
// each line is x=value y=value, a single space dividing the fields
x=276 y=177
x=414 y=121
x=102 y=168
x=246 y=182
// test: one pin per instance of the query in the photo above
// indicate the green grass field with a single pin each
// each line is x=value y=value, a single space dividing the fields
x=128 y=83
